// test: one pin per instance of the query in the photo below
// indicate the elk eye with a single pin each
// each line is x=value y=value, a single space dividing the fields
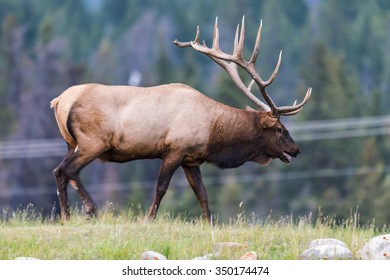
x=279 y=129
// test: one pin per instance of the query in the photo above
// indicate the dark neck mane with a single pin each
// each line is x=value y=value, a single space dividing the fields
x=234 y=139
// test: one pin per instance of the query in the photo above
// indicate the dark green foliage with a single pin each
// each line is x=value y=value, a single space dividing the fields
x=340 y=48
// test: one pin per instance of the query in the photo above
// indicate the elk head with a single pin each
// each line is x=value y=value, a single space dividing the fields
x=278 y=142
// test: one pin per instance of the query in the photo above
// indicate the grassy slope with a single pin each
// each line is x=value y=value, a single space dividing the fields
x=126 y=236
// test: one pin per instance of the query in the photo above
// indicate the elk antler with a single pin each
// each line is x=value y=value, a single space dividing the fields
x=229 y=62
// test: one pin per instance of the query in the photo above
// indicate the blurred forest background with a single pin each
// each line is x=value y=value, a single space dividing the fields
x=340 y=48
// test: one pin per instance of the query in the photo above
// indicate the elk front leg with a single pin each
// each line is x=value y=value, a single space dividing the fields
x=168 y=167
x=194 y=178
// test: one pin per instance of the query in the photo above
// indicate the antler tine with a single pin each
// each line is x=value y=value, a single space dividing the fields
x=251 y=85
x=240 y=48
x=196 y=40
x=188 y=44
x=292 y=113
x=295 y=109
x=257 y=44
x=181 y=44
x=255 y=100
x=235 y=49
x=231 y=68
x=229 y=62
x=216 y=36
x=284 y=110
x=276 y=70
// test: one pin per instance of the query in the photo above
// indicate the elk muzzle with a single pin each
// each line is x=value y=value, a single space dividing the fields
x=291 y=151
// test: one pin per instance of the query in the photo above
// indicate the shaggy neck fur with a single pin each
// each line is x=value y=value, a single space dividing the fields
x=234 y=139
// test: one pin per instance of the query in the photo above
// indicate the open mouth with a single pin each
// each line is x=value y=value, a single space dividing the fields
x=286 y=157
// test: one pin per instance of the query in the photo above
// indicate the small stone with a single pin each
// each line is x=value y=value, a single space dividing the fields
x=377 y=248
x=327 y=252
x=249 y=256
x=327 y=241
x=151 y=255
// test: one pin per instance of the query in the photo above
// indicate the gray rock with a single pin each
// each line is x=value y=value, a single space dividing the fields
x=151 y=255
x=327 y=252
x=377 y=248
x=327 y=241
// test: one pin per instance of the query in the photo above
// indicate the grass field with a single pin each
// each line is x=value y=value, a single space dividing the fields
x=116 y=235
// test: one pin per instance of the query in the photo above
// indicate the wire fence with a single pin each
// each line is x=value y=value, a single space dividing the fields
x=302 y=131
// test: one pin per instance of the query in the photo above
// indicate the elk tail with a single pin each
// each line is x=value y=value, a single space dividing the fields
x=63 y=124
x=54 y=102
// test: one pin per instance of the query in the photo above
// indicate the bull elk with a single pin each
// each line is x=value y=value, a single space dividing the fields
x=172 y=122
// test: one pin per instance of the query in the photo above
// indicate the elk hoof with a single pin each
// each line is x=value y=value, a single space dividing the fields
x=90 y=211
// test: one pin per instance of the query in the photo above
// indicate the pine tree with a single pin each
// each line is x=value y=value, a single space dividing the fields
x=11 y=53
x=334 y=96
x=164 y=69
x=334 y=88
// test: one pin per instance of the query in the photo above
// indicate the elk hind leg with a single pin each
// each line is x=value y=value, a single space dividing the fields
x=88 y=203
x=62 y=183
x=72 y=167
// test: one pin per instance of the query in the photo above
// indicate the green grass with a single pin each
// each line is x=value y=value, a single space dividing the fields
x=117 y=235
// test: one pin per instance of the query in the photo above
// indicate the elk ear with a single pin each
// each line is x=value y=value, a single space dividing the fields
x=250 y=109
x=267 y=119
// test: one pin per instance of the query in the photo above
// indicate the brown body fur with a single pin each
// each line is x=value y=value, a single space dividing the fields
x=172 y=122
